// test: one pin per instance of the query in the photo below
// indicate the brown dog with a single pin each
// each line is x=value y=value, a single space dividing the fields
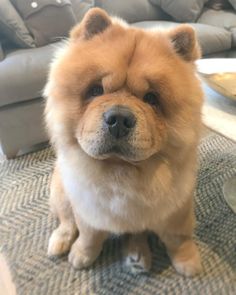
x=123 y=112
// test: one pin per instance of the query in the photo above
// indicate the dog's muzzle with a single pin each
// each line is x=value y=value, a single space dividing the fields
x=119 y=121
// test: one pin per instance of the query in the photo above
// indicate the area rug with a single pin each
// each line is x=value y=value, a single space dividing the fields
x=26 y=224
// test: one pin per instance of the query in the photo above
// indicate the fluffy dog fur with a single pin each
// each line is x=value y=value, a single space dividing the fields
x=143 y=182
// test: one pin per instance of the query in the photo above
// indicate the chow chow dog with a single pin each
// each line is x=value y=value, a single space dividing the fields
x=123 y=110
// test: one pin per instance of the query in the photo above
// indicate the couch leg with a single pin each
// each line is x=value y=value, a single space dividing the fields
x=10 y=154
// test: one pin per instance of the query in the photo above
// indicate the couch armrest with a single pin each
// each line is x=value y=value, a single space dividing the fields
x=132 y=10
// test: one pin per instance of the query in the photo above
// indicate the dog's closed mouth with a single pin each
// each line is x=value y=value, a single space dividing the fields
x=122 y=153
x=118 y=150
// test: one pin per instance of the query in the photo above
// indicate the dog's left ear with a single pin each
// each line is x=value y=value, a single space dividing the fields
x=95 y=21
x=185 y=43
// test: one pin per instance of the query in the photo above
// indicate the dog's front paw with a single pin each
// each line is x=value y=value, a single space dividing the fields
x=60 y=241
x=80 y=259
x=188 y=267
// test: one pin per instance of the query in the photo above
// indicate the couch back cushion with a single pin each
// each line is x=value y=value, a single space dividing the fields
x=212 y=39
x=220 y=18
x=181 y=10
x=132 y=10
x=48 y=20
x=12 y=26
x=218 y=4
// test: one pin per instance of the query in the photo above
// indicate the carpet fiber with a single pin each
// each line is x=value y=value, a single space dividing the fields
x=26 y=224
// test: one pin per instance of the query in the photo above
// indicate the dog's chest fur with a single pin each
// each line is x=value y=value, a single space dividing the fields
x=119 y=200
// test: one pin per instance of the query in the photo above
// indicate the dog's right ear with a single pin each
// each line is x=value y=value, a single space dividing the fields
x=94 y=22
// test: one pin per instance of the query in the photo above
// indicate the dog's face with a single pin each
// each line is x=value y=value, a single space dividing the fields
x=121 y=92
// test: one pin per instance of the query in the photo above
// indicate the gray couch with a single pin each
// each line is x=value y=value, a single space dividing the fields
x=23 y=72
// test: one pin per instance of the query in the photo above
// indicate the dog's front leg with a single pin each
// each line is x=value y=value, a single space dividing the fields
x=183 y=253
x=88 y=245
x=65 y=234
x=177 y=237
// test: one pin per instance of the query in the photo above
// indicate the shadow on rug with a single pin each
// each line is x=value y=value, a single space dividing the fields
x=26 y=224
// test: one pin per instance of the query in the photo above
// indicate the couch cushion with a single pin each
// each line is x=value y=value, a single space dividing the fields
x=181 y=10
x=212 y=39
x=48 y=20
x=132 y=10
x=218 y=4
x=23 y=73
x=222 y=18
x=13 y=27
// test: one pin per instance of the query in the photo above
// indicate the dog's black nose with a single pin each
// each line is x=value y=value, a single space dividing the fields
x=119 y=120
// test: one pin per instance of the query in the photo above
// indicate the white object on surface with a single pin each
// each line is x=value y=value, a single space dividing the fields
x=219 y=74
x=216 y=65
x=219 y=113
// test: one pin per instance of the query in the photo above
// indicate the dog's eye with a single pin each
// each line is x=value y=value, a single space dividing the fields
x=151 y=98
x=94 y=90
